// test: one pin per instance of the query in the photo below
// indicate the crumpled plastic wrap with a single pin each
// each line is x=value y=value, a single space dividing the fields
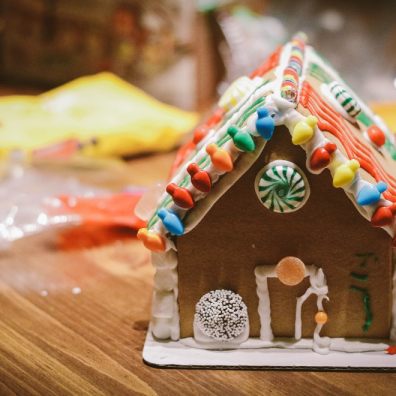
x=99 y=116
x=32 y=201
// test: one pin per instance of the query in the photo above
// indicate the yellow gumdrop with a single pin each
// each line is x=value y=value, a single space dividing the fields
x=312 y=121
x=345 y=173
x=304 y=130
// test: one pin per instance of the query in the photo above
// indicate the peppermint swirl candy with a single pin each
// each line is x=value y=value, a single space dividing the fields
x=282 y=187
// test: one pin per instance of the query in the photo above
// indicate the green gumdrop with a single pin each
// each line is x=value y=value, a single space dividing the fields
x=233 y=130
x=244 y=141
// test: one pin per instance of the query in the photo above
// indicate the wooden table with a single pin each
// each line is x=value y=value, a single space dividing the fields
x=75 y=323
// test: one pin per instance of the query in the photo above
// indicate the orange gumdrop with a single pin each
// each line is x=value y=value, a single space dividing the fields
x=220 y=158
x=321 y=317
x=151 y=240
x=290 y=271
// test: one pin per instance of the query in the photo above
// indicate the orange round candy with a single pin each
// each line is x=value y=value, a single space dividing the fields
x=290 y=271
x=321 y=317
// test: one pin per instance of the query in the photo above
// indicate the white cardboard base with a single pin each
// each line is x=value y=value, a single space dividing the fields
x=177 y=354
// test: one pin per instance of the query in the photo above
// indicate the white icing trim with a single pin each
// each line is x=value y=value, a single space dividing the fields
x=262 y=273
x=165 y=311
x=336 y=344
x=318 y=286
x=202 y=339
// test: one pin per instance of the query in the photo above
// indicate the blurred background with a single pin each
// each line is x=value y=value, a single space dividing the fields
x=89 y=88
x=183 y=51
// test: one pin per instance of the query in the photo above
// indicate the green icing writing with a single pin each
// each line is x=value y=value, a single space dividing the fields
x=365 y=257
x=358 y=276
x=366 y=304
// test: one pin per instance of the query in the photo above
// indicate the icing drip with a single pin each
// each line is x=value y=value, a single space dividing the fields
x=264 y=309
x=336 y=344
x=318 y=286
x=165 y=314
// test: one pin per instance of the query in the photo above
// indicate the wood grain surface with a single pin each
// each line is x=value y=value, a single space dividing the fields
x=57 y=341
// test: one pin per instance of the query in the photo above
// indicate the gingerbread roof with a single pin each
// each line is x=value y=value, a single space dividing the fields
x=298 y=89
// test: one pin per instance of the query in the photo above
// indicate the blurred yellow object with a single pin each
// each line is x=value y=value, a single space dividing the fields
x=387 y=111
x=105 y=115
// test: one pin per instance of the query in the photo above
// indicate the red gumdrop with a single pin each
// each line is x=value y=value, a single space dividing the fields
x=181 y=196
x=199 y=133
x=199 y=178
x=321 y=157
x=391 y=350
x=383 y=216
x=376 y=135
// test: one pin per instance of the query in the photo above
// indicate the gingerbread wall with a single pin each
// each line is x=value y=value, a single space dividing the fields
x=239 y=233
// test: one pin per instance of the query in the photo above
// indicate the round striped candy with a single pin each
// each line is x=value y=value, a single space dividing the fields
x=282 y=187
x=345 y=99
x=289 y=91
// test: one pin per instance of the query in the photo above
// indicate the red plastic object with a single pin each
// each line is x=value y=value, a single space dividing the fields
x=181 y=196
x=383 y=216
x=112 y=210
x=199 y=178
x=321 y=157
x=376 y=135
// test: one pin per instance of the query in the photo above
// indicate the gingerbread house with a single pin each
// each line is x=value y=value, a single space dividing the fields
x=276 y=229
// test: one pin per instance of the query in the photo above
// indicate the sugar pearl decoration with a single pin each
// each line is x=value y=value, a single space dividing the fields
x=321 y=317
x=221 y=315
x=290 y=271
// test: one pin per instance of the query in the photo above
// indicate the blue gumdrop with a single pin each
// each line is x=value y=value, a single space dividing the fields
x=371 y=193
x=265 y=125
x=262 y=112
x=171 y=221
x=382 y=186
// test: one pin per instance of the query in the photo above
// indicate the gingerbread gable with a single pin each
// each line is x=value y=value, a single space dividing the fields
x=295 y=88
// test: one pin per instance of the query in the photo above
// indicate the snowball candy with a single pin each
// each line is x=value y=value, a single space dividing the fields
x=221 y=315
x=290 y=271
x=321 y=317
